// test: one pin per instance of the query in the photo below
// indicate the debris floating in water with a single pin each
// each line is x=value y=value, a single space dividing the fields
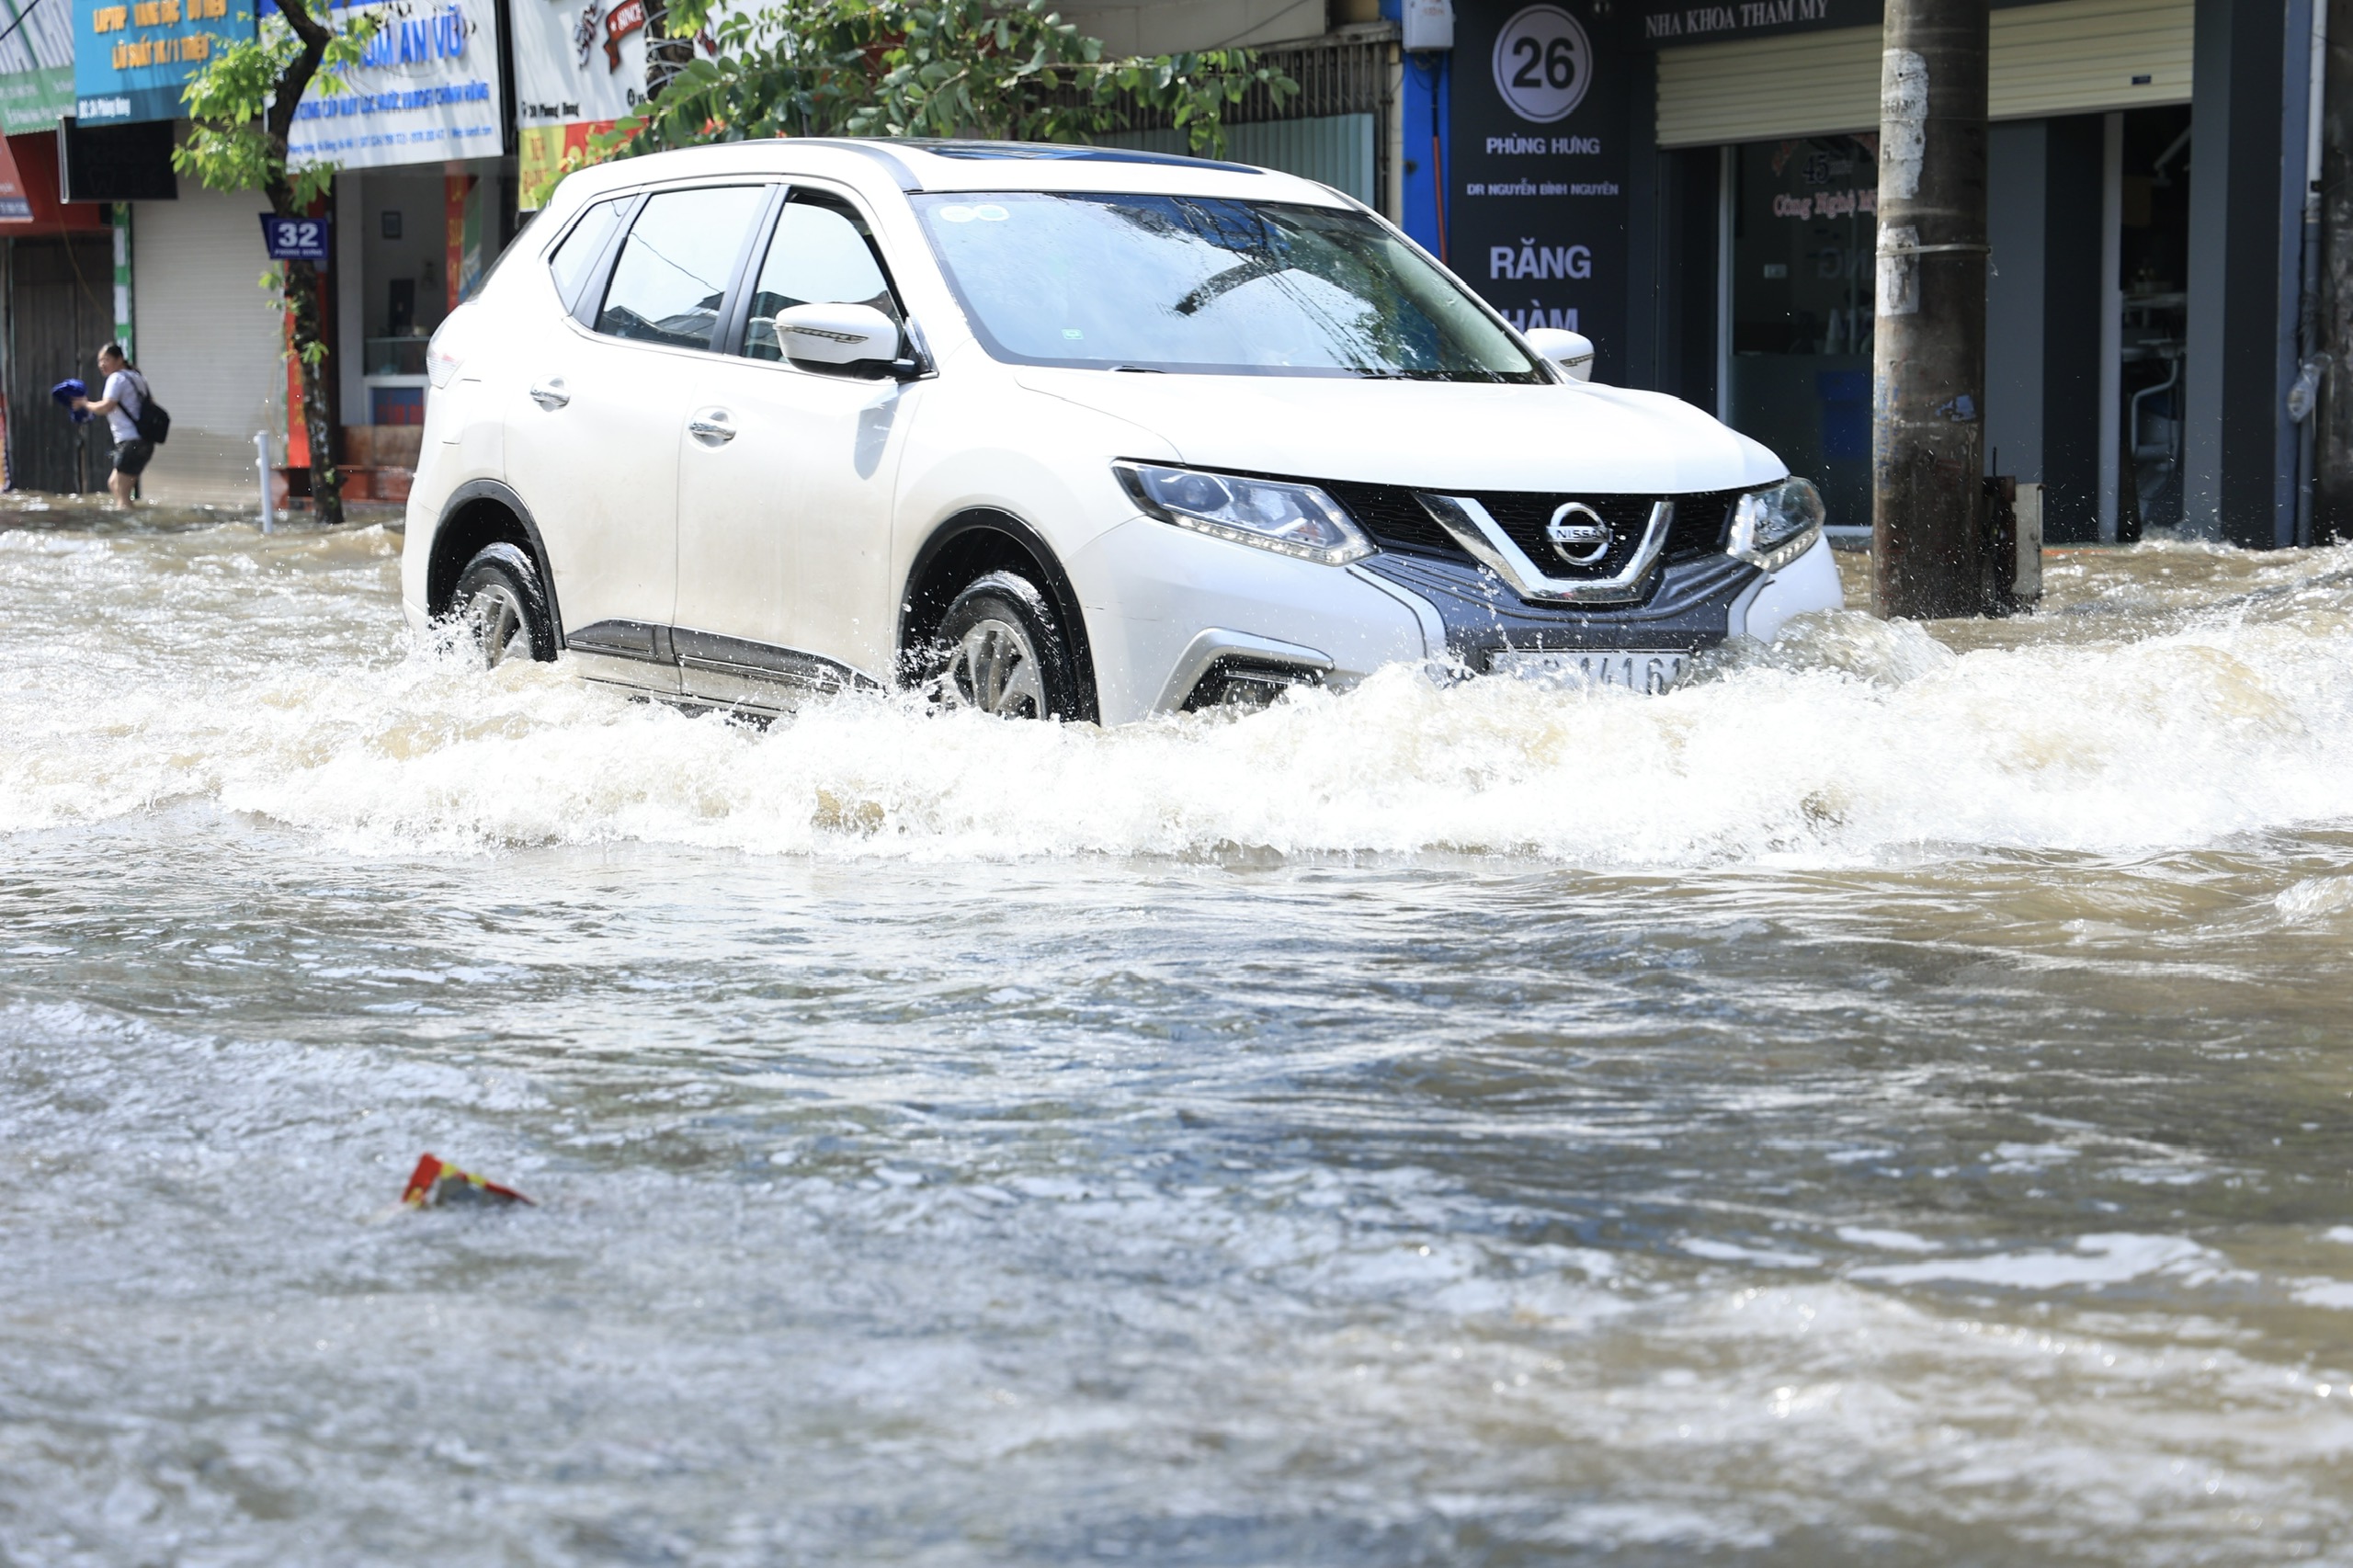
x=438 y=1184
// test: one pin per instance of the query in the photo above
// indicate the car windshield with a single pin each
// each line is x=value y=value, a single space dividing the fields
x=1211 y=286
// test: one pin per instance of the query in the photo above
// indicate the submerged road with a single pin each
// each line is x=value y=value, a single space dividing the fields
x=1887 y=1102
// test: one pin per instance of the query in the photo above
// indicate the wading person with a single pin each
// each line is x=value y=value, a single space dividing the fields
x=124 y=401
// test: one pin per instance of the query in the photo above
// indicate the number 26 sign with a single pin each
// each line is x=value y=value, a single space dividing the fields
x=295 y=239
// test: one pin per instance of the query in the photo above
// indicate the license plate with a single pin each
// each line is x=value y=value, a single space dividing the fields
x=1650 y=670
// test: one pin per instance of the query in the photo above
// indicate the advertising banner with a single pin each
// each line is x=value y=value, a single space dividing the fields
x=426 y=91
x=15 y=203
x=36 y=65
x=1535 y=201
x=132 y=57
x=579 y=65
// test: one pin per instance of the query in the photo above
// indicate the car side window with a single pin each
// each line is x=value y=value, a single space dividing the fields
x=821 y=254
x=581 y=248
x=671 y=280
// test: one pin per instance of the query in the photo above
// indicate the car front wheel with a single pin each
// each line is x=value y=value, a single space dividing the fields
x=502 y=609
x=1003 y=650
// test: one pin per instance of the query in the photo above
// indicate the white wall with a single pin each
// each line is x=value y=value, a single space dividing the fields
x=207 y=337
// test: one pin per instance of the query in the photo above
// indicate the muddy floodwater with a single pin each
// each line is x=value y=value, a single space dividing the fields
x=1888 y=1102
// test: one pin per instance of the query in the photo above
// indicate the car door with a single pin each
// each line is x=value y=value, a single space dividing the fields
x=786 y=477
x=592 y=440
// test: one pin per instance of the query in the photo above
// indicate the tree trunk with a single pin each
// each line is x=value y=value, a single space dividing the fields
x=1930 y=548
x=2332 y=458
x=303 y=277
x=318 y=410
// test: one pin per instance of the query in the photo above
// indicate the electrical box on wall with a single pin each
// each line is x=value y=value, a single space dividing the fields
x=1429 y=24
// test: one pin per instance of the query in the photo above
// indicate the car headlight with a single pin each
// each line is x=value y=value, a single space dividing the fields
x=1772 y=527
x=1289 y=519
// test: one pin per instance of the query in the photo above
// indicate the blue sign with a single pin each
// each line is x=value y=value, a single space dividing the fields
x=132 y=57
x=295 y=239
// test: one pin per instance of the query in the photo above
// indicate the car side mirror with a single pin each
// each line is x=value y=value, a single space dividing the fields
x=836 y=335
x=1572 y=351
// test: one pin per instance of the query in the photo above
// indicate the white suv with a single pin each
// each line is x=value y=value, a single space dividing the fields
x=1069 y=431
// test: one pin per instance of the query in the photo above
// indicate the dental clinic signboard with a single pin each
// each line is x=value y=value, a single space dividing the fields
x=132 y=57
x=1662 y=24
x=1537 y=196
x=427 y=90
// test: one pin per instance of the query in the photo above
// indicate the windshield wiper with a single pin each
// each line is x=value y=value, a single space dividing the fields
x=1232 y=278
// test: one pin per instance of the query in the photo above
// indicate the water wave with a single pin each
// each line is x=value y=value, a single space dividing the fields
x=1850 y=738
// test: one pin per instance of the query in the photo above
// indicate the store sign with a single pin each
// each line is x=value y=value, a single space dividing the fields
x=1659 y=24
x=1542 y=64
x=36 y=65
x=294 y=239
x=132 y=57
x=426 y=91
x=1536 y=199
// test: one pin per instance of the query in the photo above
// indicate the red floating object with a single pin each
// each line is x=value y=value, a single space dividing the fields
x=438 y=1184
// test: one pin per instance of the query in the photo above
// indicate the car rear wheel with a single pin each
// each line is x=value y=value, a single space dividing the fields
x=1003 y=650
x=501 y=608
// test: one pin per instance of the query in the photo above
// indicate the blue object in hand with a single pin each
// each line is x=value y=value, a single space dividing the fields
x=65 y=392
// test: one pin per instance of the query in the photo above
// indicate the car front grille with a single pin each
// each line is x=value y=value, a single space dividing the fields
x=1397 y=521
x=1395 y=518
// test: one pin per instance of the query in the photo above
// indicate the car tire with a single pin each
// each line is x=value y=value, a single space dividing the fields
x=501 y=608
x=1002 y=649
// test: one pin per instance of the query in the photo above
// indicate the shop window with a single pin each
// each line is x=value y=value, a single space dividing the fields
x=1805 y=228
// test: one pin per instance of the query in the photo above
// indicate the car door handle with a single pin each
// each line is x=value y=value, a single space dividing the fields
x=711 y=427
x=551 y=393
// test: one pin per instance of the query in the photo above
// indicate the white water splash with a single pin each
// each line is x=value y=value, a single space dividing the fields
x=184 y=675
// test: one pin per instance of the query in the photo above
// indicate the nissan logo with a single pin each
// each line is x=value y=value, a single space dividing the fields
x=1579 y=535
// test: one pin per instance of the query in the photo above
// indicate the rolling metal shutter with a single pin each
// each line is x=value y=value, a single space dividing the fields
x=1336 y=149
x=208 y=339
x=2074 y=57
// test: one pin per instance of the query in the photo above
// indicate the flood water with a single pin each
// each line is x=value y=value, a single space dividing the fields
x=1888 y=1102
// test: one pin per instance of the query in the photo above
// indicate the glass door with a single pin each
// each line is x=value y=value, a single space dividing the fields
x=1804 y=226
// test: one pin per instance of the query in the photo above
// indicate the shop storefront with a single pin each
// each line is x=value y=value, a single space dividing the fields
x=1693 y=186
x=1797 y=184
x=424 y=201
x=60 y=307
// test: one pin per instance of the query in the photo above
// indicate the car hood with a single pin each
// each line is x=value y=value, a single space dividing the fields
x=1428 y=435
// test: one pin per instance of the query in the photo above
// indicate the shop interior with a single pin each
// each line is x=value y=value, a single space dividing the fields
x=403 y=250
x=2154 y=263
x=1801 y=256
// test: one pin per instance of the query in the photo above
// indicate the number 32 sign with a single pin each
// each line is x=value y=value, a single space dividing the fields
x=295 y=239
x=1544 y=63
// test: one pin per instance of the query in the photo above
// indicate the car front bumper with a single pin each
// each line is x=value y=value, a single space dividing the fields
x=1170 y=612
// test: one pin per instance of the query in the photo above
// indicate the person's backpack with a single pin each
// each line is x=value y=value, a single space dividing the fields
x=152 y=421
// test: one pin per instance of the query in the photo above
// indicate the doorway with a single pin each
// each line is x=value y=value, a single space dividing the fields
x=2153 y=261
x=61 y=308
x=1802 y=216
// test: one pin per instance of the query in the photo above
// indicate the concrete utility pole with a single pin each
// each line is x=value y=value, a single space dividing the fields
x=2332 y=458
x=1930 y=553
